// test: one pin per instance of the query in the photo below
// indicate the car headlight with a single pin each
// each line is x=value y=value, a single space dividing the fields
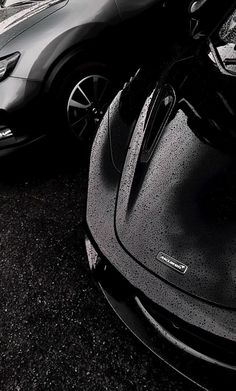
x=7 y=64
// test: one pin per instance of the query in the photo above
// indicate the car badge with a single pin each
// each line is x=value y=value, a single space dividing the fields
x=173 y=263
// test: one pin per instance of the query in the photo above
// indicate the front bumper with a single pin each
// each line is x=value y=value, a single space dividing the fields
x=20 y=109
x=158 y=335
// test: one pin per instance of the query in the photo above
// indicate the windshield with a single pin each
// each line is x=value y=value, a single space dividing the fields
x=228 y=31
x=222 y=50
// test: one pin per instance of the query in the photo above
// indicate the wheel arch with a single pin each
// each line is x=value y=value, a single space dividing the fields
x=88 y=50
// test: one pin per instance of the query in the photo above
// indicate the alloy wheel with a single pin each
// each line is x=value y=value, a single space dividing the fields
x=87 y=104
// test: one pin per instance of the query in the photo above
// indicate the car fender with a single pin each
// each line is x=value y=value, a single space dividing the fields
x=42 y=45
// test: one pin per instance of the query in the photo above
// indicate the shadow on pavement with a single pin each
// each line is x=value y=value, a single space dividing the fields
x=56 y=330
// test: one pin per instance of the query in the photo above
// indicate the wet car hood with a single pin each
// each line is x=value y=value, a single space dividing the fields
x=21 y=16
x=176 y=205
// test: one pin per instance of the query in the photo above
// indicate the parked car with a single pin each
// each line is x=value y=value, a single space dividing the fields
x=61 y=62
x=161 y=203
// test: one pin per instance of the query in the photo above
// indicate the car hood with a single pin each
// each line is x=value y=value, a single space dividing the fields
x=19 y=17
x=176 y=204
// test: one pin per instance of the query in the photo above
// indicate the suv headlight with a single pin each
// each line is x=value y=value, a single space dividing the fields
x=7 y=64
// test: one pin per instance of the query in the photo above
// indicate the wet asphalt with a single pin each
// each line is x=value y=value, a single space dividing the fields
x=57 y=331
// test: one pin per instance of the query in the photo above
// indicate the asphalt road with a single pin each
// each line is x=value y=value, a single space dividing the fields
x=56 y=330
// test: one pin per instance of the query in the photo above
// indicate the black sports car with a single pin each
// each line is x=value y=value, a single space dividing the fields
x=61 y=61
x=161 y=207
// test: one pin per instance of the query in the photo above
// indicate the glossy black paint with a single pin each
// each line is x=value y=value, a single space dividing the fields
x=163 y=181
x=52 y=37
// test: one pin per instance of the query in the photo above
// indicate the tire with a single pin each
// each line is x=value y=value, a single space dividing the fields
x=80 y=96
